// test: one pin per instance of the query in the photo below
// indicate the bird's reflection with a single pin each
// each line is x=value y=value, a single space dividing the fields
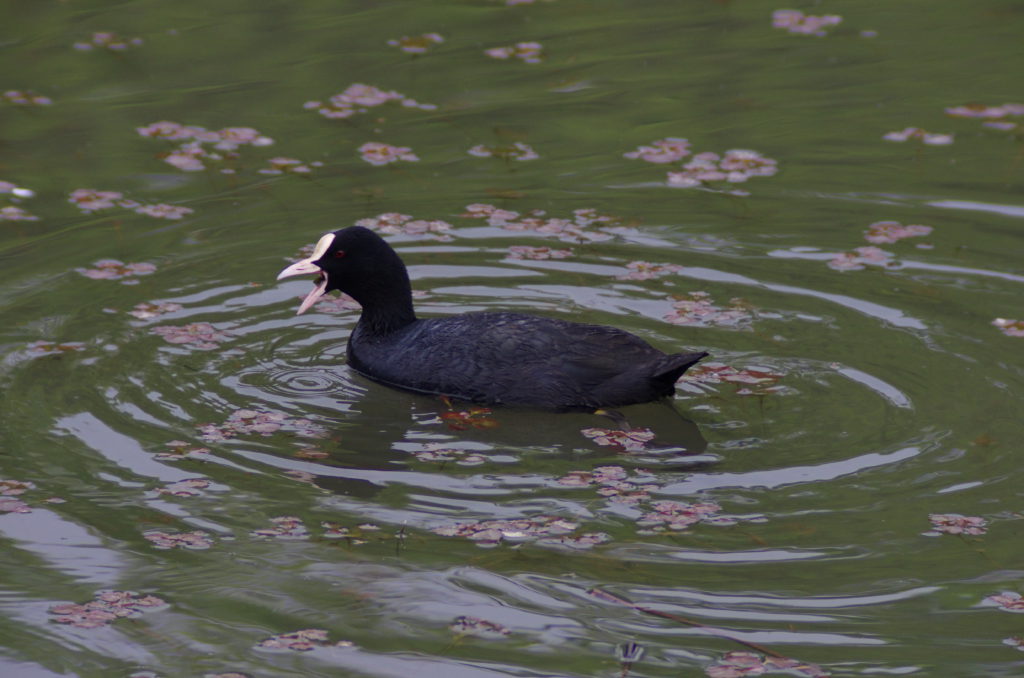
x=381 y=425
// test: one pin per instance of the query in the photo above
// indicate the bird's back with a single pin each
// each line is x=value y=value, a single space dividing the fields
x=514 y=359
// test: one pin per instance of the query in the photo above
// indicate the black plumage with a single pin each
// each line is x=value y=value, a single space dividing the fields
x=492 y=358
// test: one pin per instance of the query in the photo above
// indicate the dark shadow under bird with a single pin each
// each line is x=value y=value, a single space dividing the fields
x=491 y=358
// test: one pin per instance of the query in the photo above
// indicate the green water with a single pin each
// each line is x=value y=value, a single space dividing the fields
x=895 y=397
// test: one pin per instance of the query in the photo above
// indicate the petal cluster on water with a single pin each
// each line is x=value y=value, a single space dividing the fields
x=734 y=166
x=798 y=23
x=301 y=641
x=1010 y=601
x=994 y=117
x=378 y=153
x=740 y=663
x=918 y=134
x=436 y=452
x=481 y=628
x=886 y=232
x=248 y=422
x=492 y=532
x=862 y=257
x=13 y=193
x=189 y=487
x=527 y=52
x=1011 y=328
x=108 y=40
x=954 y=523
x=105 y=608
x=359 y=98
x=203 y=336
x=670 y=149
x=200 y=145
x=194 y=541
x=284 y=527
x=179 y=449
x=698 y=309
x=43 y=347
x=645 y=270
x=749 y=380
x=537 y=253
x=417 y=44
x=394 y=223
x=634 y=440
x=15 y=213
x=90 y=200
x=282 y=165
x=14 y=488
x=515 y=151
x=113 y=269
x=675 y=515
x=25 y=97
x=576 y=229
x=613 y=483
x=148 y=310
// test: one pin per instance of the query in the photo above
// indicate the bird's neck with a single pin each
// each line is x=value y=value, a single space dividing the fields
x=387 y=306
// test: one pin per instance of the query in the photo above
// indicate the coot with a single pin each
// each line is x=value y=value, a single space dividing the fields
x=491 y=358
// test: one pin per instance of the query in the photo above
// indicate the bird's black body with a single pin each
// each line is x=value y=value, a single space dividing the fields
x=488 y=358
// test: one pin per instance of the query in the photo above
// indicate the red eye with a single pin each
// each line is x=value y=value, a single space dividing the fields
x=339 y=254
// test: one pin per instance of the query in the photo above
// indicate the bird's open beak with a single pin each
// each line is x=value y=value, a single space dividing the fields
x=307 y=267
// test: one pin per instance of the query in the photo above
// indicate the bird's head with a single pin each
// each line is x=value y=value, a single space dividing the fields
x=354 y=260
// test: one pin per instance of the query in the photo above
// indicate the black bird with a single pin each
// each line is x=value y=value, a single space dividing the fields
x=492 y=358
